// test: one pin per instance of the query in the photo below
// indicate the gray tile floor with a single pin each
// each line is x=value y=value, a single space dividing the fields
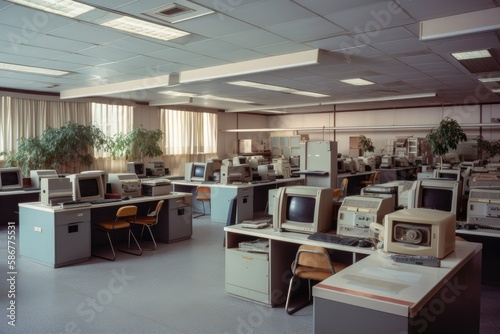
x=177 y=289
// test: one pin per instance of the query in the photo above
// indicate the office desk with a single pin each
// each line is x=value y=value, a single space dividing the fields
x=251 y=197
x=264 y=278
x=397 y=173
x=9 y=202
x=56 y=237
x=377 y=295
x=490 y=239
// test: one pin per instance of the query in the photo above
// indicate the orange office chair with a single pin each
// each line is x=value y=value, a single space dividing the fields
x=203 y=195
x=373 y=179
x=311 y=263
x=125 y=216
x=342 y=191
x=150 y=220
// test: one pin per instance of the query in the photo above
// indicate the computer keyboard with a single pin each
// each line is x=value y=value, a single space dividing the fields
x=259 y=181
x=334 y=239
x=106 y=200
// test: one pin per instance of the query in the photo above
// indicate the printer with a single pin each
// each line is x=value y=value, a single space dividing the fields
x=357 y=213
x=266 y=172
x=156 y=186
x=155 y=168
x=282 y=167
x=484 y=207
x=55 y=190
x=125 y=184
x=239 y=173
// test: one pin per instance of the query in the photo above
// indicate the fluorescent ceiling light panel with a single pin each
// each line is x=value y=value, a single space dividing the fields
x=144 y=28
x=174 y=93
x=66 y=8
x=357 y=82
x=471 y=55
x=496 y=90
x=489 y=79
x=461 y=24
x=260 y=65
x=275 y=88
x=30 y=69
x=220 y=98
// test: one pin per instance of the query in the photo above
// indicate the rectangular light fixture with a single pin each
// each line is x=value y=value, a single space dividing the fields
x=489 y=79
x=496 y=90
x=205 y=96
x=357 y=82
x=471 y=54
x=461 y=24
x=30 y=69
x=144 y=28
x=253 y=66
x=66 y=8
x=274 y=88
x=110 y=19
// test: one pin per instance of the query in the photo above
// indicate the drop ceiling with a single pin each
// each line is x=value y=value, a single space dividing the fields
x=302 y=45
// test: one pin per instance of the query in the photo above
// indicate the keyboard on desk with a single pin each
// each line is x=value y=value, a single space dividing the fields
x=334 y=239
x=106 y=200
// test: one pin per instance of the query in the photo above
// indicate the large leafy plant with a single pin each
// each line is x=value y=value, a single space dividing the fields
x=137 y=144
x=445 y=137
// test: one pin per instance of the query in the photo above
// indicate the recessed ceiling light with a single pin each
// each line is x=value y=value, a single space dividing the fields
x=471 y=54
x=30 y=69
x=496 y=90
x=357 y=82
x=144 y=28
x=174 y=93
x=66 y=8
x=489 y=79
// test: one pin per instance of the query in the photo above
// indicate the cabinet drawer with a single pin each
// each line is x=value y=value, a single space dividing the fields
x=247 y=270
x=73 y=216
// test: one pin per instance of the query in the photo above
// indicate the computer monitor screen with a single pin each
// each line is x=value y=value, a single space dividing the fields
x=438 y=194
x=198 y=171
x=10 y=178
x=139 y=168
x=304 y=209
x=87 y=187
x=450 y=174
x=300 y=209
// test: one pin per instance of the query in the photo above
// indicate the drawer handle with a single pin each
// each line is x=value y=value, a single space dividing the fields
x=248 y=257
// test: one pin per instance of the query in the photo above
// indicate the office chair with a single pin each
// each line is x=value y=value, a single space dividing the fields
x=124 y=216
x=311 y=263
x=231 y=216
x=150 y=220
x=203 y=195
x=342 y=191
x=373 y=179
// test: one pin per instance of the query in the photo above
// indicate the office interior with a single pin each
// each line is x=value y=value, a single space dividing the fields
x=303 y=50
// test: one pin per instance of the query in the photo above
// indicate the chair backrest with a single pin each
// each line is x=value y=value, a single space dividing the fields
x=315 y=257
x=156 y=213
x=377 y=176
x=343 y=185
x=126 y=213
x=203 y=193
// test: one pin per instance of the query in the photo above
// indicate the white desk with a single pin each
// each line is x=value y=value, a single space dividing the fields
x=251 y=197
x=377 y=295
x=264 y=279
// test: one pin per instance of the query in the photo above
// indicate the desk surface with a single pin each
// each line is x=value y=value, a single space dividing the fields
x=293 y=237
x=376 y=282
x=132 y=201
x=234 y=185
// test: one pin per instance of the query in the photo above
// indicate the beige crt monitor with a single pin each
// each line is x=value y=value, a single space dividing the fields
x=420 y=231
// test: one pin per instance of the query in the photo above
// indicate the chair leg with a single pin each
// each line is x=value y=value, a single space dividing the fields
x=201 y=214
x=130 y=233
x=152 y=237
x=110 y=243
x=301 y=306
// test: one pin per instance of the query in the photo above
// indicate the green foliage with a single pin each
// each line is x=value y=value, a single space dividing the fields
x=366 y=144
x=445 y=137
x=69 y=145
x=137 y=144
x=492 y=148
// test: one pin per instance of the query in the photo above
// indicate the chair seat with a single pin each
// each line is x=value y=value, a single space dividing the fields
x=109 y=224
x=145 y=220
x=318 y=274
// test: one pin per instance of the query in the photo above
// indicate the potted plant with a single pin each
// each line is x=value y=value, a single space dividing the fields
x=137 y=144
x=445 y=137
x=487 y=149
x=67 y=146
x=365 y=144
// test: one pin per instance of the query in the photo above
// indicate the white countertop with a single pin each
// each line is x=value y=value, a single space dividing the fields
x=377 y=282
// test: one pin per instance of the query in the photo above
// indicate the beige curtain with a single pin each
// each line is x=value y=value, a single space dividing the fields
x=188 y=136
x=111 y=119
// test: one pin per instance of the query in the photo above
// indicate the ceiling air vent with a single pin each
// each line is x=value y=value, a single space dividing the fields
x=177 y=11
